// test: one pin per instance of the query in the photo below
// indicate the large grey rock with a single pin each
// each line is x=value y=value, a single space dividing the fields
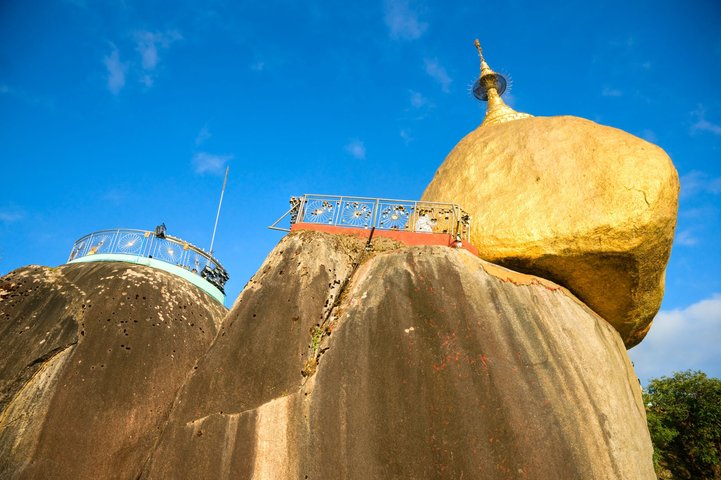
x=93 y=355
x=431 y=363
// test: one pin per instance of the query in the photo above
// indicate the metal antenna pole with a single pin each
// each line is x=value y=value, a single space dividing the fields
x=217 y=215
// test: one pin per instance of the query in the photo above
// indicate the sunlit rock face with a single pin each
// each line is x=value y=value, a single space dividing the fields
x=590 y=207
x=93 y=355
x=432 y=364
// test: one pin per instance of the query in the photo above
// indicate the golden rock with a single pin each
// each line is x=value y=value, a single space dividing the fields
x=587 y=206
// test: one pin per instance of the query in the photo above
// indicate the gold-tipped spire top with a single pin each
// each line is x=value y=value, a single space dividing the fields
x=489 y=87
x=485 y=69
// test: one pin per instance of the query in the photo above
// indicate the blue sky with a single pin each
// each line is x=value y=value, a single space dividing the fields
x=124 y=114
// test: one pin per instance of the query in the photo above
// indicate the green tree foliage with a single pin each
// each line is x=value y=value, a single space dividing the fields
x=684 y=418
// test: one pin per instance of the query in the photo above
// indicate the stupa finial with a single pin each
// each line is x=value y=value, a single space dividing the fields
x=489 y=87
x=480 y=50
x=485 y=69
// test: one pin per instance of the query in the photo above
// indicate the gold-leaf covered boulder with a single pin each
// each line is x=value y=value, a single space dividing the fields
x=590 y=207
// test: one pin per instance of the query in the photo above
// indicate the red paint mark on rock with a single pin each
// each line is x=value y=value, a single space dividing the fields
x=484 y=361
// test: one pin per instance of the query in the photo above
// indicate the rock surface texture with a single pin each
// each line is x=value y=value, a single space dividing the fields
x=408 y=363
x=93 y=355
x=590 y=207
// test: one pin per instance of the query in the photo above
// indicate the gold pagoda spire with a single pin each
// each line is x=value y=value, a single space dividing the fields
x=489 y=87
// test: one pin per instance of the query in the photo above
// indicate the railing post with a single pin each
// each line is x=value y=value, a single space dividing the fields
x=336 y=215
x=149 y=252
x=413 y=217
x=143 y=245
x=88 y=244
x=375 y=213
x=109 y=247
x=301 y=209
x=92 y=241
x=114 y=242
x=456 y=222
x=184 y=257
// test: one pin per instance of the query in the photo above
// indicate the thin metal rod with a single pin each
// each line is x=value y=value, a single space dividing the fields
x=301 y=209
x=217 y=215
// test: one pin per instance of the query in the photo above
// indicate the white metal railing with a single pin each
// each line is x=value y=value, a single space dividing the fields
x=144 y=243
x=379 y=213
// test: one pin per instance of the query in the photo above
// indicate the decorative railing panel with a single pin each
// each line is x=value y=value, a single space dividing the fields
x=142 y=243
x=379 y=213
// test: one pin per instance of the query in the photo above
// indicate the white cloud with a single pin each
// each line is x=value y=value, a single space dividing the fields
x=402 y=21
x=115 y=196
x=685 y=238
x=406 y=135
x=147 y=80
x=148 y=44
x=625 y=43
x=438 y=73
x=682 y=339
x=356 y=149
x=257 y=66
x=703 y=125
x=205 y=162
x=695 y=182
x=116 y=71
x=649 y=135
x=148 y=50
x=203 y=135
x=611 y=92
x=705 y=212
x=9 y=216
x=417 y=99
x=26 y=97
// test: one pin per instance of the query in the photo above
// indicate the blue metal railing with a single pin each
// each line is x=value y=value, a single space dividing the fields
x=144 y=243
x=379 y=213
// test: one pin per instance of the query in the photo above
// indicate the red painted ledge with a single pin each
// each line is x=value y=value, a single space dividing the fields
x=408 y=238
